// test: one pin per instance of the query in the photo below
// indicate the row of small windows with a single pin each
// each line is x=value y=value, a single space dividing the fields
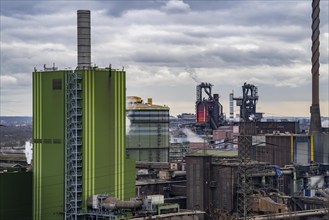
x=47 y=141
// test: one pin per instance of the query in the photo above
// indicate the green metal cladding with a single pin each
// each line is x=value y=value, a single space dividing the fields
x=48 y=146
x=105 y=167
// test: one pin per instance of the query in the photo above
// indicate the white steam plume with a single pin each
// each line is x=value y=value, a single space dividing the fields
x=128 y=124
x=28 y=152
x=191 y=136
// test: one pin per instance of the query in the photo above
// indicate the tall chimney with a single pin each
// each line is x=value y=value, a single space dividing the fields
x=84 y=48
x=231 y=105
x=315 y=108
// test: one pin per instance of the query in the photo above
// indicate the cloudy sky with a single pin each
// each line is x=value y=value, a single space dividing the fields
x=166 y=47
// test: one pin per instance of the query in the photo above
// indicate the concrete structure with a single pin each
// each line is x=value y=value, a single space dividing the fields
x=198 y=179
x=227 y=134
x=231 y=96
x=283 y=149
x=148 y=137
x=78 y=140
x=196 y=146
x=212 y=184
x=321 y=150
x=84 y=39
x=280 y=143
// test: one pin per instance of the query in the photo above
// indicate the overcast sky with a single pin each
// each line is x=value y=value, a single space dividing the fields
x=166 y=47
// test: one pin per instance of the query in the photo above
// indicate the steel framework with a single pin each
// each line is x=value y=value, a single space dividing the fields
x=245 y=169
x=73 y=146
x=248 y=103
x=245 y=185
x=211 y=106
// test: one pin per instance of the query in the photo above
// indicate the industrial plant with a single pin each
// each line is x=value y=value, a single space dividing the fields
x=78 y=135
x=148 y=136
x=99 y=154
x=209 y=112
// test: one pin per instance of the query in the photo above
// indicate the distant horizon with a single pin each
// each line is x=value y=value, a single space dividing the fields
x=327 y=117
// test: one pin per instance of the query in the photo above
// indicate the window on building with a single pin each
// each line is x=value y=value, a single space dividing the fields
x=57 y=84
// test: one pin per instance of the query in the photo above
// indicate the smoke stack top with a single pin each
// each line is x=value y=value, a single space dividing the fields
x=84 y=39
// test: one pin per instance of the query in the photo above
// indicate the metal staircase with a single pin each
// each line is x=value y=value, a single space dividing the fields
x=73 y=146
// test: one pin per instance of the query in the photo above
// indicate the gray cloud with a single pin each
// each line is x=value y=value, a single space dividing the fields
x=226 y=42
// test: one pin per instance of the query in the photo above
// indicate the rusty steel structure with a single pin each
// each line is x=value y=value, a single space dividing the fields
x=209 y=111
x=315 y=108
x=247 y=103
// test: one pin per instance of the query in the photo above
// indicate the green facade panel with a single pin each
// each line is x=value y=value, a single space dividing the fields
x=48 y=146
x=130 y=179
x=105 y=168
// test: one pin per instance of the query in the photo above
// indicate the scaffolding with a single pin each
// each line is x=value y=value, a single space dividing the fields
x=73 y=146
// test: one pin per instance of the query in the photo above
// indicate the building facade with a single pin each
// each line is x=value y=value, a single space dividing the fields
x=79 y=140
x=148 y=137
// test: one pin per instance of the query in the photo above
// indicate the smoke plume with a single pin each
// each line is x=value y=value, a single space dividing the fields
x=191 y=136
x=192 y=74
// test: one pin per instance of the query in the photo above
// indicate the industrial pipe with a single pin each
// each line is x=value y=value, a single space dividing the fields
x=111 y=203
x=290 y=215
x=178 y=174
x=271 y=173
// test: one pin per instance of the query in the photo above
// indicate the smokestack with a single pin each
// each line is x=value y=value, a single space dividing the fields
x=315 y=108
x=231 y=105
x=84 y=48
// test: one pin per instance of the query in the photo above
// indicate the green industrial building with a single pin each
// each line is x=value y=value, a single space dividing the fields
x=148 y=137
x=78 y=138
